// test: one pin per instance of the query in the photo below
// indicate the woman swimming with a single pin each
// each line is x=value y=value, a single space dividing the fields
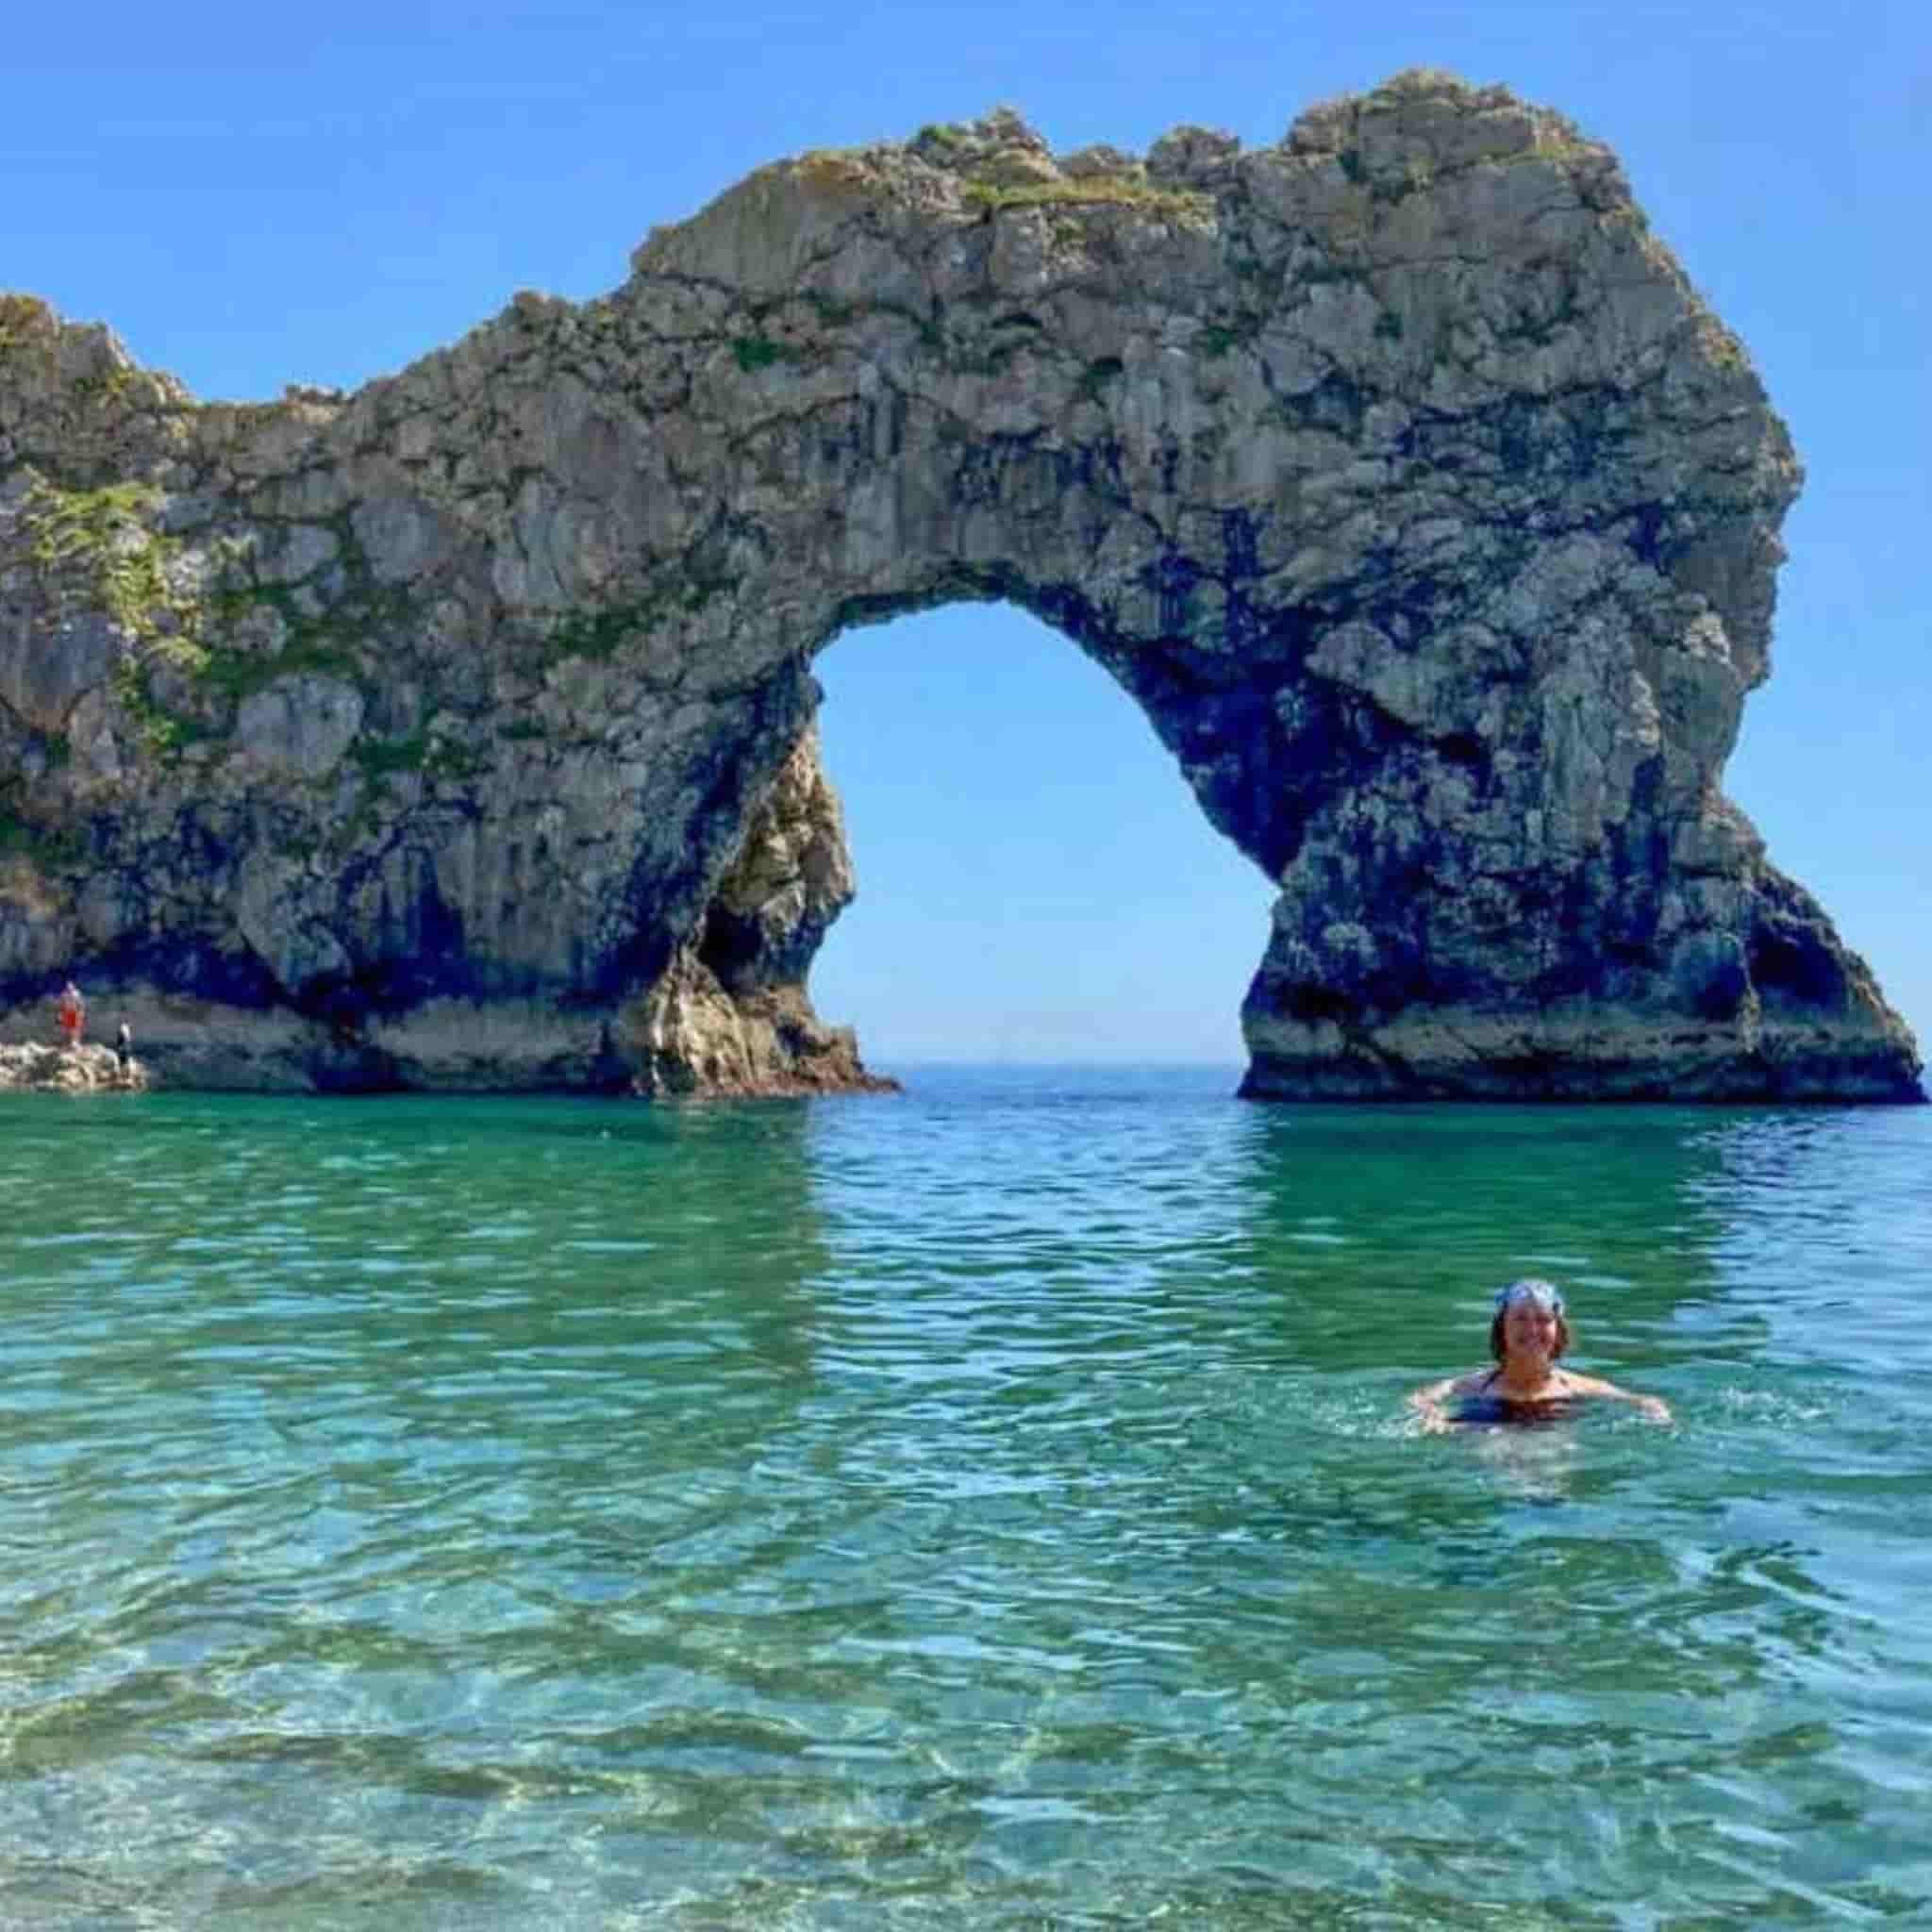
x=1526 y=1335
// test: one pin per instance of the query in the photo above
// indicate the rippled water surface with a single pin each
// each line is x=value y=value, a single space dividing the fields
x=994 y=1507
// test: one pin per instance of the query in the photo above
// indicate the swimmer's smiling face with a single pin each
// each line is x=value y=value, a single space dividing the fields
x=1529 y=1325
x=1530 y=1331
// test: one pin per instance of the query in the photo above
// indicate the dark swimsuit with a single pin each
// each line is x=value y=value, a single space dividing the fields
x=1484 y=1407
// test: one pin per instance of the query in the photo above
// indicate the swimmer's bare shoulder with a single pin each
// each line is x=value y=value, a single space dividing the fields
x=1653 y=1407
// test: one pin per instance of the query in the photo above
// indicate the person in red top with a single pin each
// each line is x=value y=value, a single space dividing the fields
x=72 y=1013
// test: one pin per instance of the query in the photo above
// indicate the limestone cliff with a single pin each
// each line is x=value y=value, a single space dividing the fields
x=457 y=732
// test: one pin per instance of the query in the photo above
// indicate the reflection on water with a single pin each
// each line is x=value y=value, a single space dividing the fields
x=995 y=1506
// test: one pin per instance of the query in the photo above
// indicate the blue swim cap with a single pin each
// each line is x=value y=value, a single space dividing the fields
x=1543 y=1293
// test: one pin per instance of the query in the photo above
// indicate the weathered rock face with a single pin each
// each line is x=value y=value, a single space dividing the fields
x=457 y=732
x=731 y=1015
x=69 y=1069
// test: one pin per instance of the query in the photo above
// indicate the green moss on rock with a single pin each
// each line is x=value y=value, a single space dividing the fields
x=1090 y=190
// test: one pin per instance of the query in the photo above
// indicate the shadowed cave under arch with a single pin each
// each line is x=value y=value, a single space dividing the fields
x=459 y=732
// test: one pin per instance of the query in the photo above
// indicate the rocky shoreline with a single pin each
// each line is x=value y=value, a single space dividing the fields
x=458 y=734
x=69 y=1069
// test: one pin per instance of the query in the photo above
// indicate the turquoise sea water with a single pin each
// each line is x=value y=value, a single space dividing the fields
x=991 y=1506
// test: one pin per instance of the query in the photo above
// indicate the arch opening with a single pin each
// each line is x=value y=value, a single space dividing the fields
x=1034 y=880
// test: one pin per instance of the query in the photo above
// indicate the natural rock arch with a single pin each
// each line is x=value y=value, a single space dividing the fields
x=460 y=731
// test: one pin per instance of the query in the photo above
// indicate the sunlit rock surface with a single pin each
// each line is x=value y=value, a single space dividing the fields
x=457 y=732
x=69 y=1069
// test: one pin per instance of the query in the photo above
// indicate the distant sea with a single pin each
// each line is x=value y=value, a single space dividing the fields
x=989 y=1507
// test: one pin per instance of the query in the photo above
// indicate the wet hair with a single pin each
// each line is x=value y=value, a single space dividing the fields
x=1556 y=1348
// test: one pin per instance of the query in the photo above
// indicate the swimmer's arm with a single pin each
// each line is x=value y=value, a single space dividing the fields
x=1657 y=1409
x=1427 y=1403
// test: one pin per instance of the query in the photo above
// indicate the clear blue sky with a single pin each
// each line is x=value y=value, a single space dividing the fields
x=255 y=195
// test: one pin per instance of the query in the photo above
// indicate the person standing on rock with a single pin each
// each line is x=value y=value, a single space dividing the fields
x=124 y=1046
x=71 y=1011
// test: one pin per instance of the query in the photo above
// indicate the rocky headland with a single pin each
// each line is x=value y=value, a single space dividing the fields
x=458 y=732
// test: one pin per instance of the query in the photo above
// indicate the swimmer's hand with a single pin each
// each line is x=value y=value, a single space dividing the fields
x=1654 y=1410
x=1428 y=1404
